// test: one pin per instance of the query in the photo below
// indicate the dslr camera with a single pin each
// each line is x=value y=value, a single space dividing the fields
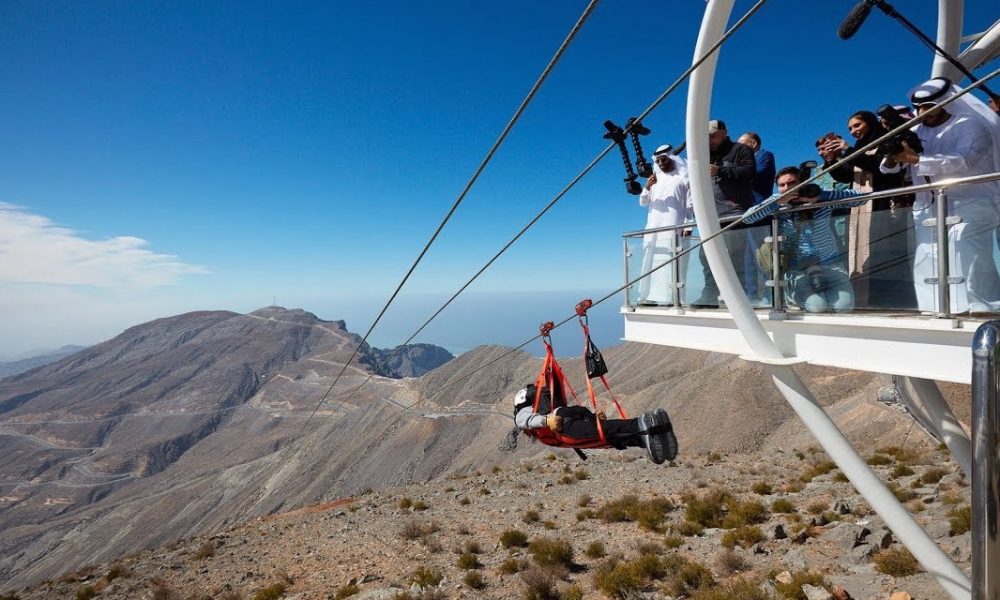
x=894 y=145
x=809 y=190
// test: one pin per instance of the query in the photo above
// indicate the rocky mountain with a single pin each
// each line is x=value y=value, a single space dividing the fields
x=193 y=424
x=13 y=367
x=411 y=360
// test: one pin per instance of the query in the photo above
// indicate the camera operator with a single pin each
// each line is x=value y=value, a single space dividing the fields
x=817 y=281
x=733 y=168
x=879 y=245
x=959 y=140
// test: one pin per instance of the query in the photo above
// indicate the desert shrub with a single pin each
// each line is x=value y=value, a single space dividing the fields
x=347 y=591
x=817 y=469
x=420 y=505
x=86 y=593
x=840 y=477
x=551 y=552
x=464 y=501
x=714 y=456
x=793 y=486
x=472 y=546
x=531 y=516
x=617 y=579
x=550 y=457
x=484 y=491
x=566 y=480
x=762 y=487
x=649 y=514
x=960 y=519
x=584 y=500
x=415 y=529
x=405 y=502
x=707 y=510
x=688 y=528
x=916 y=506
x=817 y=506
x=583 y=515
x=878 y=460
x=113 y=573
x=513 y=538
x=673 y=541
x=951 y=499
x=206 y=550
x=594 y=550
x=573 y=592
x=689 y=578
x=933 y=475
x=728 y=562
x=425 y=577
x=581 y=474
x=468 y=560
x=474 y=579
x=897 y=562
x=271 y=592
x=738 y=589
x=782 y=506
x=540 y=584
x=744 y=513
x=900 y=470
x=510 y=566
x=793 y=589
x=745 y=536
x=901 y=494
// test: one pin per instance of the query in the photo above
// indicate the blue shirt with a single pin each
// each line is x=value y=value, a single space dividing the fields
x=810 y=239
x=763 y=181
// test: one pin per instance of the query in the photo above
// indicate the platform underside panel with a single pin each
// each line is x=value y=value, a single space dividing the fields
x=925 y=348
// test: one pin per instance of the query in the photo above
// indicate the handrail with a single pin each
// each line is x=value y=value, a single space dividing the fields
x=937 y=185
x=985 y=468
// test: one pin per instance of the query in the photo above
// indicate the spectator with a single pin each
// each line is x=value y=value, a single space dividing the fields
x=763 y=186
x=732 y=169
x=667 y=193
x=879 y=247
x=817 y=281
x=959 y=140
x=763 y=181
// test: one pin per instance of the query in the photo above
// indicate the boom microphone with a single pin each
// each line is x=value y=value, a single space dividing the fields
x=854 y=19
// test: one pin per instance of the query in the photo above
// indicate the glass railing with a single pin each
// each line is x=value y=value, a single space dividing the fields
x=834 y=257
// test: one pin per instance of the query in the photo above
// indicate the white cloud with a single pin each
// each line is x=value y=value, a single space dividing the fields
x=34 y=250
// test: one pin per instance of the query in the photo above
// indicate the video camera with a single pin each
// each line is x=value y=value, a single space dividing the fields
x=894 y=145
x=809 y=190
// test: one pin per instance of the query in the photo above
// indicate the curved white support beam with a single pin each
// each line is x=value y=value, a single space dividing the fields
x=949 y=37
x=982 y=50
x=944 y=421
x=896 y=517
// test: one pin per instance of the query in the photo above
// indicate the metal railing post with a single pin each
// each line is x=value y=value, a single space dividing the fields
x=675 y=250
x=985 y=462
x=944 y=287
x=628 y=288
x=777 y=282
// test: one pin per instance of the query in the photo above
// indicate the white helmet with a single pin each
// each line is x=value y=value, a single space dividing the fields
x=520 y=396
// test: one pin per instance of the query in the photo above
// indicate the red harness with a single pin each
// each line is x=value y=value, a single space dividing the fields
x=552 y=377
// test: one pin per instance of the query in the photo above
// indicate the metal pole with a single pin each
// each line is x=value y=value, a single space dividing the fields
x=944 y=287
x=675 y=249
x=777 y=282
x=986 y=462
x=628 y=288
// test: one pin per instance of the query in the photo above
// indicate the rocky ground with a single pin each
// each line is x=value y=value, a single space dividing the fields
x=782 y=523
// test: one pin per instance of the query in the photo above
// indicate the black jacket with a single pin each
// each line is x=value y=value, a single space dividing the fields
x=737 y=169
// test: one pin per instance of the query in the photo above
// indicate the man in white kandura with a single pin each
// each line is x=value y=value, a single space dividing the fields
x=959 y=140
x=668 y=195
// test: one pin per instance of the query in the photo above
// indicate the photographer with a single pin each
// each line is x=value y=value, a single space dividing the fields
x=817 y=282
x=960 y=140
x=879 y=242
x=732 y=169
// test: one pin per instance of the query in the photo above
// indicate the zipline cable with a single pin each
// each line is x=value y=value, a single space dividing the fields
x=659 y=100
x=472 y=180
x=905 y=126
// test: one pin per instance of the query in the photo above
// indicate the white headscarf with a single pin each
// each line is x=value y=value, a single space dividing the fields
x=940 y=89
x=680 y=166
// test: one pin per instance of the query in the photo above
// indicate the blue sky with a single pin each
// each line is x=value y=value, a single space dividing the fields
x=158 y=157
